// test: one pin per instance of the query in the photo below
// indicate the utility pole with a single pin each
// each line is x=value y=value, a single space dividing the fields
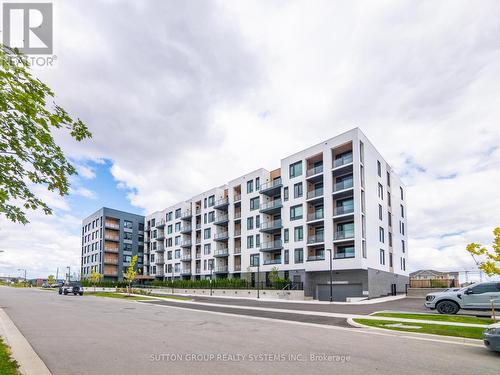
x=57 y=274
x=69 y=273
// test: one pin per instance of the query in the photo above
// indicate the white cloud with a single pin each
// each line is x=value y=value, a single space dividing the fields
x=84 y=192
x=190 y=95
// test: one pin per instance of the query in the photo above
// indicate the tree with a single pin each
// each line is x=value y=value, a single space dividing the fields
x=28 y=152
x=491 y=264
x=273 y=275
x=51 y=280
x=131 y=273
x=95 y=277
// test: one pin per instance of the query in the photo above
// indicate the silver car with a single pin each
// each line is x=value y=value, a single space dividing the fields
x=474 y=297
x=491 y=337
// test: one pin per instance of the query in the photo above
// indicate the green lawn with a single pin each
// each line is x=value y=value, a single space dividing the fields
x=114 y=295
x=180 y=298
x=438 y=317
x=434 y=329
x=7 y=365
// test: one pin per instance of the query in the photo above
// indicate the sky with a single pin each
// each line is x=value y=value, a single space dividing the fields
x=182 y=96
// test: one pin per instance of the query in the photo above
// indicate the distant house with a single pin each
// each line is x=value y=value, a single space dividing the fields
x=433 y=279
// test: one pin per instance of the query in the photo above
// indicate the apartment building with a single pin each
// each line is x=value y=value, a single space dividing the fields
x=339 y=197
x=110 y=238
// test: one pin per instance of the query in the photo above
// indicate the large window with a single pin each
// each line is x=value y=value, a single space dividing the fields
x=207 y=233
x=286 y=235
x=298 y=234
x=286 y=256
x=296 y=212
x=379 y=169
x=207 y=248
x=296 y=169
x=178 y=213
x=344 y=252
x=298 y=256
x=297 y=190
x=381 y=236
x=250 y=223
x=249 y=242
x=285 y=193
x=382 y=257
x=254 y=260
x=127 y=224
x=254 y=203
x=249 y=186
x=380 y=191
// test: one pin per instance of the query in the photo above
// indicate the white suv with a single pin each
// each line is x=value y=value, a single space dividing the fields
x=475 y=297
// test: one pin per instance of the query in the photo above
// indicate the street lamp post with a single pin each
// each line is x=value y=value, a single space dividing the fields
x=211 y=275
x=23 y=269
x=331 y=275
x=173 y=276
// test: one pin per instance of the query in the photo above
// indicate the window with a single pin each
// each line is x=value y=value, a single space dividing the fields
x=297 y=190
x=403 y=247
x=287 y=257
x=250 y=223
x=390 y=239
x=178 y=213
x=207 y=233
x=361 y=152
x=169 y=242
x=295 y=169
x=402 y=194
x=169 y=255
x=382 y=257
x=402 y=228
x=285 y=193
x=257 y=240
x=296 y=212
x=379 y=168
x=344 y=252
x=211 y=200
x=177 y=240
x=254 y=260
x=286 y=235
x=402 y=211
x=380 y=211
x=178 y=227
x=381 y=234
x=485 y=288
x=389 y=198
x=169 y=229
x=388 y=179
x=211 y=216
x=380 y=191
x=298 y=234
x=254 y=203
x=205 y=218
x=362 y=175
x=389 y=218
x=127 y=224
x=249 y=186
x=257 y=183
x=257 y=221
x=170 y=216
x=390 y=259
x=363 y=249
x=298 y=256
x=207 y=248
x=205 y=203
x=177 y=254
x=127 y=236
x=249 y=242
x=153 y=222
x=403 y=264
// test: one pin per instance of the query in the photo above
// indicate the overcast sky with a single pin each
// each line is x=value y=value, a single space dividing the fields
x=182 y=96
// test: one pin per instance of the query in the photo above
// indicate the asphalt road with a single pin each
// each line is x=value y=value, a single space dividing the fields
x=92 y=335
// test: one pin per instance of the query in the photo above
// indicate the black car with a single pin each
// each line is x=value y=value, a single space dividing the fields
x=72 y=287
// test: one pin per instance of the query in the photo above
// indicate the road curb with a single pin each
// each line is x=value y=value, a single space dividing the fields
x=29 y=362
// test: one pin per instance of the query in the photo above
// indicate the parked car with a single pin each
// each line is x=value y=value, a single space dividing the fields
x=72 y=287
x=474 y=297
x=45 y=285
x=491 y=337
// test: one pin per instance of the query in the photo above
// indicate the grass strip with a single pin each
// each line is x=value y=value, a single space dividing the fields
x=438 y=317
x=8 y=366
x=433 y=329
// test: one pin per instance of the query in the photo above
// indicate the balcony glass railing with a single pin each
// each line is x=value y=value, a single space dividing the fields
x=343 y=234
x=186 y=228
x=271 y=245
x=112 y=225
x=316 y=238
x=342 y=210
x=271 y=184
x=274 y=224
x=237 y=215
x=186 y=243
x=186 y=271
x=342 y=185
x=222 y=202
x=237 y=197
x=346 y=252
x=237 y=250
x=314 y=170
x=272 y=261
x=237 y=267
x=186 y=214
x=221 y=269
x=221 y=218
x=346 y=159
x=237 y=232
x=318 y=215
x=221 y=252
x=317 y=256
x=315 y=193
x=221 y=235
x=271 y=204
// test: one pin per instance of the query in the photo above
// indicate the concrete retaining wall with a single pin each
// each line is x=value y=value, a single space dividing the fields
x=295 y=295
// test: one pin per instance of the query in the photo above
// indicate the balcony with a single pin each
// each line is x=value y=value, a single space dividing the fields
x=271 y=188
x=237 y=215
x=186 y=271
x=344 y=160
x=186 y=243
x=317 y=216
x=237 y=233
x=271 y=226
x=272 y=261
x=160 y=224
x=237 y=267
x=237 y=198
x=316 y=239
x=110 y=260
x=222 y=204
x=160 y=260
x=343 y=210
x=198 y=211
x=198 y=226
x=237 y=250
x=197 y=241
x=271 y=246
x=186 y=215
x=111 y=225
x=315 y=173
x=186 y=258
x=220 y=269
x=343 y=185
x=160 y=237
x=271 y=207
x=197 y=270
x=315 y=194
x=221 y=219
x=110 y=273
x=343 y=235
x=186 y=229
x=219 y=253
x=221 y=236
x=160 y=249
x=318 y=256
x=111 y=237
x=108 y=249
x=198 y=256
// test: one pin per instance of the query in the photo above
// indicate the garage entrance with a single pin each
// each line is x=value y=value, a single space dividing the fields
x=340 y=291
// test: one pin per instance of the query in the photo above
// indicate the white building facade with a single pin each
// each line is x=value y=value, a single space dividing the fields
x=339 y=197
